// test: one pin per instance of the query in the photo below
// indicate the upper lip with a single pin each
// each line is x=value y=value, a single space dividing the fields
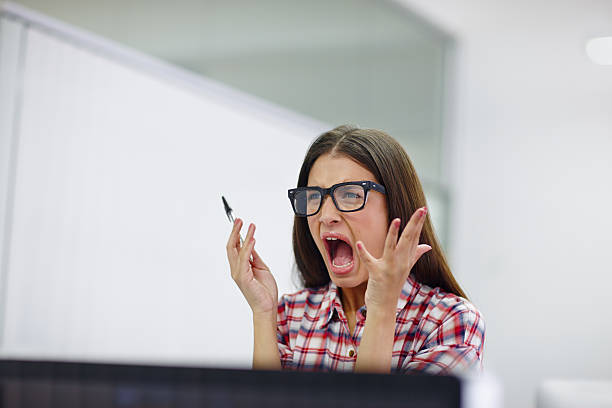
x=337 y=235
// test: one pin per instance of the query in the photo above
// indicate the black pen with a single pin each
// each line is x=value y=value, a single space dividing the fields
x=228 y=212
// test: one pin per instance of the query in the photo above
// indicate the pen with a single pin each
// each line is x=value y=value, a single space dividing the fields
x=228 y=212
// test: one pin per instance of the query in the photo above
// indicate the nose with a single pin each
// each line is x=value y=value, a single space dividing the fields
x=328 y=214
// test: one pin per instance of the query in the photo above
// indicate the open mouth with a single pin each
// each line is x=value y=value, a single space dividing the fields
x=340 y=254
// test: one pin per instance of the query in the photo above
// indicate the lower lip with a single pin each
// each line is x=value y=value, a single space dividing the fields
x=337 y=270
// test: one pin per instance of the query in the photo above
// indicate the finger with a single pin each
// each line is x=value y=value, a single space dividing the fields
x=243 y=253
x=233 y=242
x=233 y=245
x=249 y=243
x=250 y=234
x=421 y=250
x=257 y=262
x=243 y=264
x=391 y=240
x=364 y=255
x=242 y=243
x=412 y=231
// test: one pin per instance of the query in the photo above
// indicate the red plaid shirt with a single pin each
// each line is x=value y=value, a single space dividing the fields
x=435 y=332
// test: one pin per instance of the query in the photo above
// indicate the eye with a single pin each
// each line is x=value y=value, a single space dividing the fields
x=313 y=196
x=351 y=195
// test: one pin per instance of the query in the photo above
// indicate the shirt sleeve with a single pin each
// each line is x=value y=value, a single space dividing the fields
x=282 y=335
x=454 y=347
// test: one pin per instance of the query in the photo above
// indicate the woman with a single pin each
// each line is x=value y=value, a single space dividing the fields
x=379 y=295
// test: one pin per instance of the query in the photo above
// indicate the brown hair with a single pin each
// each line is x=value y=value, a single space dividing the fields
x=384 y=157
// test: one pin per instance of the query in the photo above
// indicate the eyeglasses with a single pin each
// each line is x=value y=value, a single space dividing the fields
x=347 y=197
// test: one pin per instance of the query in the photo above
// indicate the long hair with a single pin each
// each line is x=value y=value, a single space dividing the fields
x=384 y=157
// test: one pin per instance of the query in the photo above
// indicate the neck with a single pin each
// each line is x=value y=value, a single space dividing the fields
x=353 y=298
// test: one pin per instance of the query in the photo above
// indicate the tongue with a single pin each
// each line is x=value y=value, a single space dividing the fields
x=343 y=253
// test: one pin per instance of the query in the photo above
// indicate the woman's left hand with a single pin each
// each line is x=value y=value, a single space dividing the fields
x=388 y=274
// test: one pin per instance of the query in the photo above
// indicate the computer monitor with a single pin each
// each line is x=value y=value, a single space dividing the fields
x=49 y=384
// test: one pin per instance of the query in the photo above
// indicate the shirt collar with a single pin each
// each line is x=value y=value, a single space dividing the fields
x=331 y=300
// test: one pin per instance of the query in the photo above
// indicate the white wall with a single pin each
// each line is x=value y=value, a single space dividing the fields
x=115 y=230
x=531 y=171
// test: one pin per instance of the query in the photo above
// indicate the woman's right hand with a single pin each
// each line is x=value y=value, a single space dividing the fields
x=253 y=277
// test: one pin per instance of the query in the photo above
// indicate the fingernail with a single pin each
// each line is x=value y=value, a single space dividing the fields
x=359 y=245
x=424 y=211
x=398 y=222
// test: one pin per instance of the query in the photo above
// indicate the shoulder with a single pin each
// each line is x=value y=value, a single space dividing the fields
x=306 y=295
x=435 y=304
x=305 y=301
x=311 y=296
x=447 y=314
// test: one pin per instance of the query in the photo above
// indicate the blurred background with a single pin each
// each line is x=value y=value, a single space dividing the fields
x=506 y=118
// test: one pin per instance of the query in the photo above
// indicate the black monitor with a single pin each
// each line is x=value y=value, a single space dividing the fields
x=50 y=384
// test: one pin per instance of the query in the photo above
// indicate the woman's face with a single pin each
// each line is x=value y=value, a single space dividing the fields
x=368 y=225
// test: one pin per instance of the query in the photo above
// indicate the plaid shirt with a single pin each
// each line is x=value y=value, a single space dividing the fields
x=435 y=332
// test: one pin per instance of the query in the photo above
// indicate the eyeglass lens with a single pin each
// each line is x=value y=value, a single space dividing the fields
x=348 y=198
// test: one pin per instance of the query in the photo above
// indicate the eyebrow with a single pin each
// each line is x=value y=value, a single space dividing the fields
x=343 y=181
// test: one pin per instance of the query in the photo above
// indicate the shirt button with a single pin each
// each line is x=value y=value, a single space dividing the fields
x=351 y=352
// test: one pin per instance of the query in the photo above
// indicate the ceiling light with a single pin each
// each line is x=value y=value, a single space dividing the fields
x=599 y=50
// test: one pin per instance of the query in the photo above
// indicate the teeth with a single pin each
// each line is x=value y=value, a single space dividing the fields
x=331 y=239
x=341 y=266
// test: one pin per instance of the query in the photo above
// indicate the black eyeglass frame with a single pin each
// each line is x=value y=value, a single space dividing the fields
x=367 y=186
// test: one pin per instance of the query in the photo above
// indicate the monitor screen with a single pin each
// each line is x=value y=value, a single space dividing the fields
x=46 y=384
